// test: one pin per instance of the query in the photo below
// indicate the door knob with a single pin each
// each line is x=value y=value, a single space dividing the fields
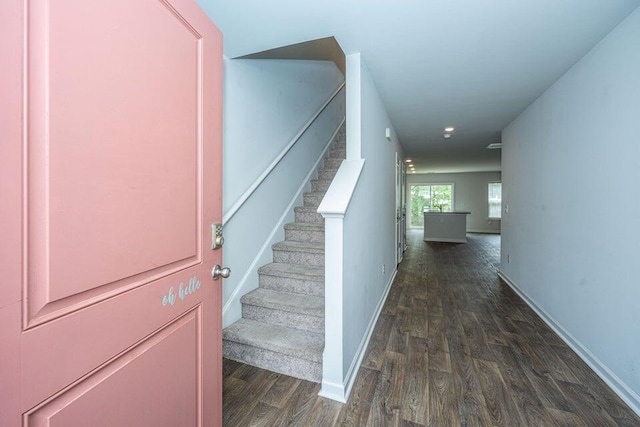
x=219 y=272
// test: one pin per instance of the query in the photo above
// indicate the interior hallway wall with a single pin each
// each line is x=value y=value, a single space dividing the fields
x=571 y=237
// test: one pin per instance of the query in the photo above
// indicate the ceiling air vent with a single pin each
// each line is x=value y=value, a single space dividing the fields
x=494 y=146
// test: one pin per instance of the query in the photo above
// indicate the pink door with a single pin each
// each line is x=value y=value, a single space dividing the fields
x=110 y=179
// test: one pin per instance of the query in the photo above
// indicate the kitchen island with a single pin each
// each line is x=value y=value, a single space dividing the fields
x=445 y=226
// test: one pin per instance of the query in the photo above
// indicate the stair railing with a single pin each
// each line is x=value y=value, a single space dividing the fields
x=245 y=196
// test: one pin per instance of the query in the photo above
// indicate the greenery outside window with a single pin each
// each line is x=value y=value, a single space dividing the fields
x=495 y=200
x=433 y=197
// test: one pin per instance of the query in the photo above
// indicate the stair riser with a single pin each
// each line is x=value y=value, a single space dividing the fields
x=277 y=362
x=320 y=185
x=304 y=236
x=309 y=217
x=327 y=173
x=289 y=284
x=338 y=153
x=312 y=200
x=332 y=163
x=299 y=258
x=300 y=321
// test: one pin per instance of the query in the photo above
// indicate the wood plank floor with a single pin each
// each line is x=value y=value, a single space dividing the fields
x=454 y=346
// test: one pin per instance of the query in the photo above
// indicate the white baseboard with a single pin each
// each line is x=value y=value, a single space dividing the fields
x=333 y=391
x=618 y=386
x=341 y=392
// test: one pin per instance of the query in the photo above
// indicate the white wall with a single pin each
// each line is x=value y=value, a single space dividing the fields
x=365 y=236
x=571 y=181
x=469 y=194
x=266 y=103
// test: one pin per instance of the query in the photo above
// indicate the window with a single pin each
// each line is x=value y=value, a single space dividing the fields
x=495 y=200
x=435 y=197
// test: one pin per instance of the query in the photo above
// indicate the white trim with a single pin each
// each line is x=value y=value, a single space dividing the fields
x=618 y=386
x=332 y=357
x=253 y=187
x=240 y=288
x=333 y=391
x=353 y=103
x=341 y=392
x=337 y=198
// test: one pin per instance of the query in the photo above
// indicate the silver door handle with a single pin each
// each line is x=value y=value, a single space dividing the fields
x=219 y=272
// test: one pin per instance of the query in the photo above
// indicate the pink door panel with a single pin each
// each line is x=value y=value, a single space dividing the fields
x=112 y=180
x=162 y=386
x=115 y=177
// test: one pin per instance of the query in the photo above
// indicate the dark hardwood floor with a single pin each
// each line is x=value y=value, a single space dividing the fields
x=454 y=346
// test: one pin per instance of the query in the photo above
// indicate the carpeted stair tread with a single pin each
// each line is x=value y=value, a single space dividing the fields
x=293 y=270
x=282 y=328
x=333 y=163
x=320 y=185
x=304 y=226
x=338 y=153
x=287 y=245
x=316 y=193
x=309 y=209
x=294 y=278
x=313 y=198
x=305 y=231
x=327 y=173
x=276 y=338
x=286 y=301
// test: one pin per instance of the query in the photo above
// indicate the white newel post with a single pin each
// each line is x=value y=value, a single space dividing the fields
x=333 y=209
x=332 y=363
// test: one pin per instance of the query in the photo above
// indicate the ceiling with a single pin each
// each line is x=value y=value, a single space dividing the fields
x=469 y=64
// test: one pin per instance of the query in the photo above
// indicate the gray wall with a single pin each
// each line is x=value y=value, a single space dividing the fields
x=266 y=102
x=469 y=194
x=571 y=180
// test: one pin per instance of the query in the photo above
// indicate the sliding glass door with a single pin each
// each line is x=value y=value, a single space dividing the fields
x=433 y=197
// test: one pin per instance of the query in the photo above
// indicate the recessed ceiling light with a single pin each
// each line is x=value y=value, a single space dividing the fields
x=447 y=135
x=494 y=146
x=408 y=160
x=413 y=171
x=449 y=129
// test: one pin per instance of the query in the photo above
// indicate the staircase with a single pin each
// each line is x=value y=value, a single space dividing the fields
x=282 y=325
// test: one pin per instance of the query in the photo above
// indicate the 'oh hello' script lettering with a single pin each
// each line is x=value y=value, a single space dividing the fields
x=183 y=291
